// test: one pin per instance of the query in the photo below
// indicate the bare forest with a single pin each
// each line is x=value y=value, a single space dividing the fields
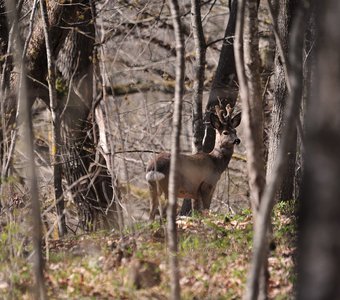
x=169 y=149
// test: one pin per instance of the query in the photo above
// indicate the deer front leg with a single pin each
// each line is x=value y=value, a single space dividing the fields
x=206 y=191
x=198 y=201
x=197 y=204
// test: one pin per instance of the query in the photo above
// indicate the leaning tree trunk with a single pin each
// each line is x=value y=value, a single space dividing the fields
x=224 y=85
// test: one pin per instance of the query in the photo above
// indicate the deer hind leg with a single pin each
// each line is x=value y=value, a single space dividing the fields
x=154 y=203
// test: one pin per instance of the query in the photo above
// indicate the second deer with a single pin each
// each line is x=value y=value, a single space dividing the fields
x=197 y=174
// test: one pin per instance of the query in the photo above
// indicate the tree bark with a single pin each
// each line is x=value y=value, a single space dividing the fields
x=318 y=246
x=175 y=145
x=286 y=188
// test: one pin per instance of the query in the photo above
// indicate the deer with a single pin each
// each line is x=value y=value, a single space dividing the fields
x=197 y=174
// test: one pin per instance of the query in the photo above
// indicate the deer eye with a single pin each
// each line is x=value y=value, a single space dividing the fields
x=225 y=132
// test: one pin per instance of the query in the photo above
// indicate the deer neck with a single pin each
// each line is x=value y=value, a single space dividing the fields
x=221 y=154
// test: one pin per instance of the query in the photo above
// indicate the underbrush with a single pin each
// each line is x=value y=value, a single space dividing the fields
x=214 y=252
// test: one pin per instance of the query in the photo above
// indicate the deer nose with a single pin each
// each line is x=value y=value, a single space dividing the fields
x=237 y=141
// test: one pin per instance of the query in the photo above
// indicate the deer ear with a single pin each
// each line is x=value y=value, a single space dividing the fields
x=235 y=121
x=215 y=122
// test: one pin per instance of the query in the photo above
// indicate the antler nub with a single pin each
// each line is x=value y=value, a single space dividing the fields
x=229 y=110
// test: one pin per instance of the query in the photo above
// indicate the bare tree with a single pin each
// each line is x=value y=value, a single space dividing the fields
x=177 y=119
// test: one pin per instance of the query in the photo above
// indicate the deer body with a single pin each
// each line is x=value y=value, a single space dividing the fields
x=197 y=174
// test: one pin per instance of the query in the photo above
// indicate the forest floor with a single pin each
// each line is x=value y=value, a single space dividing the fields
x=214 y=252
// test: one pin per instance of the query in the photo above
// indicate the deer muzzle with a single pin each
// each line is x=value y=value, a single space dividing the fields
x=237 y=141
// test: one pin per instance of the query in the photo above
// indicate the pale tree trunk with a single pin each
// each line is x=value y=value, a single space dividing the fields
x=286 y=187
x=200 y=52
x=253 y=105
x=292 y=112
x=175 y=145
x=197 y=115
x=55 y=126
x=248 y=70
x=318 y=246
x=24 y=121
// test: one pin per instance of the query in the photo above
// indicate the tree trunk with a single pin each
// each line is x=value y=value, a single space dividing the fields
x=55 y=126
x=224 y=85
x=248 y=70
x=319 y=247
x=175 y=145
x=197 y=116
x=26 y=126
x=286 y=188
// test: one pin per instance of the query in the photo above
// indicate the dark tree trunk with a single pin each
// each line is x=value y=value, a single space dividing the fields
x=224 y=85
x=319 y=247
